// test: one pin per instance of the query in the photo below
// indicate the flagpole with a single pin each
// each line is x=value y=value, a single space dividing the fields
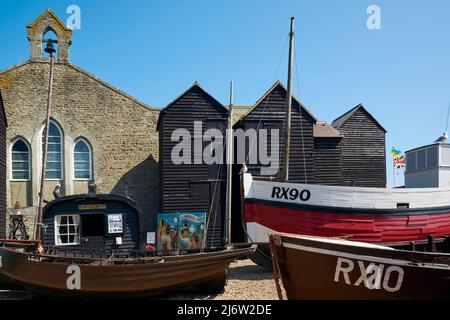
x=393 y=170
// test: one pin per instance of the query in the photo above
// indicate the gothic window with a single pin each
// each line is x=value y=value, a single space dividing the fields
x=53 y=170
x=82 y=160
x=20 y=155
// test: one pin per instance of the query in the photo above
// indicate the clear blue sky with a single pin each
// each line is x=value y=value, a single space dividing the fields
x=154 y=50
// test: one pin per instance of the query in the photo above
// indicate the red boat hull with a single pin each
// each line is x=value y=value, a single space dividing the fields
x=365 y=225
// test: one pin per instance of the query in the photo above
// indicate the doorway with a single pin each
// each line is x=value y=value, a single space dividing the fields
x=93 y=231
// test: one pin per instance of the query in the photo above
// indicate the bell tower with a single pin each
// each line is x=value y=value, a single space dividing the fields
x=36 y=31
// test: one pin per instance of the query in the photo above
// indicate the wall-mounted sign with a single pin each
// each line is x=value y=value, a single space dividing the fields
x=151 y=237
x=115 y=223
x=91 y=206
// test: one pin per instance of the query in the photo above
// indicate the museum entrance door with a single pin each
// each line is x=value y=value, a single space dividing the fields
x=93 y=232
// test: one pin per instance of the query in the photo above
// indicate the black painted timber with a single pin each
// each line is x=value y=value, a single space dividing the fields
x=193 y=187
x=132 y=236
x=270 y=113
x=327 y=161
x=3 y=126
x=363 y=149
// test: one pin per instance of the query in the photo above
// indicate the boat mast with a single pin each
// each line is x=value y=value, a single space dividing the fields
x=50 y=50
x=287 y=128
x=229 y=167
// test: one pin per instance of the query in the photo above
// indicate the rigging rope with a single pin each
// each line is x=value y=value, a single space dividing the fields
x=268 y=98
x=301 y=115
x=211 y=211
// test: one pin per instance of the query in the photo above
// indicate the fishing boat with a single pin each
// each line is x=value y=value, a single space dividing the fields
x=124 y=277
x=393 y=217
x=314 y=268
x=5 y=282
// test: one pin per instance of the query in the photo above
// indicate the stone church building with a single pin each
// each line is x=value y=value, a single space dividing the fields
x=97 y=132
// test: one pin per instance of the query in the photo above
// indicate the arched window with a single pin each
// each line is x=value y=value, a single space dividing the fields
x=53 y=170
x=20 y=156
x=82 y=160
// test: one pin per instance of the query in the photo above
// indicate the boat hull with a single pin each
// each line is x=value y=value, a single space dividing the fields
x=316 y=270
x=71 y=279
x=360 y=214
x=390 y=226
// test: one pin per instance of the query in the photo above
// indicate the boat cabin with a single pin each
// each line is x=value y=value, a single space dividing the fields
x=428 y=166
x=100 y=223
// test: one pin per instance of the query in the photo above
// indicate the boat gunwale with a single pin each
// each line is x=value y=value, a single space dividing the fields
x=415 y=257
x=89 y=262
x=353 y=210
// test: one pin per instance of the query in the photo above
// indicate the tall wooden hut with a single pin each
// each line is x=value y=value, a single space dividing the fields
x=327 y=155
x=269 y=113
x=3 y=126
x=363 y=149
x=194 y=186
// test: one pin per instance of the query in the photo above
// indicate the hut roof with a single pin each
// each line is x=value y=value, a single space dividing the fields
x=194 y=86
x=103 y=197
x=324 y=130
x=338 y=122
x=272 y=88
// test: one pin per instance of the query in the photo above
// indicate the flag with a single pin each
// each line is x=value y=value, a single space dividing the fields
x=396 y=153
x=399 y=162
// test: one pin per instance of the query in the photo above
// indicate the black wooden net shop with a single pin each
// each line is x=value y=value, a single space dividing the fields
x=195 y=185
x=99 y=223
x=3 y=125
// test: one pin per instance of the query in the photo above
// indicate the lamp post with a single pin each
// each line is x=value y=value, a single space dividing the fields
x=51 y=51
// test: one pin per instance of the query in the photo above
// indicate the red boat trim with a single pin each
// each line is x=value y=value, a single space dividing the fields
x=349 y=210
x=372 y=228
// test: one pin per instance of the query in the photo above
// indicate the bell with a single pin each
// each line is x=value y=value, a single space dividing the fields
x=49 y=48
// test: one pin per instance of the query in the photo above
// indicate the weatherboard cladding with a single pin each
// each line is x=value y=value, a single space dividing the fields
x=132 y=226
x=270 y=113
x=193 y=187
x=363 y=149
x=327 y=161
x=3 y=125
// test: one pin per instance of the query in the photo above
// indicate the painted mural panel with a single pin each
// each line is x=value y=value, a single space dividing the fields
x=179 y=232
x=192 y=230
x=167 y=233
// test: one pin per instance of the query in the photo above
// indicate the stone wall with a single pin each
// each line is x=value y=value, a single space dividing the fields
x=120 y=129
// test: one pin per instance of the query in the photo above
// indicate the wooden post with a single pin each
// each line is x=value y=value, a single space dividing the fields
x=38 y=232
x=229 y=163
x=287 y=125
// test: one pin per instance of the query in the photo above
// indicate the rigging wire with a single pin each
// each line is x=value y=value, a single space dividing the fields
x=211 y=211
x=301 y=114
x=268 y=98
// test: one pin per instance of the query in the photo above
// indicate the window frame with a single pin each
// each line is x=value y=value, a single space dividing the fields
x=56 y=230
x=86 y=142
x=12 y=160
x=61 y=133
